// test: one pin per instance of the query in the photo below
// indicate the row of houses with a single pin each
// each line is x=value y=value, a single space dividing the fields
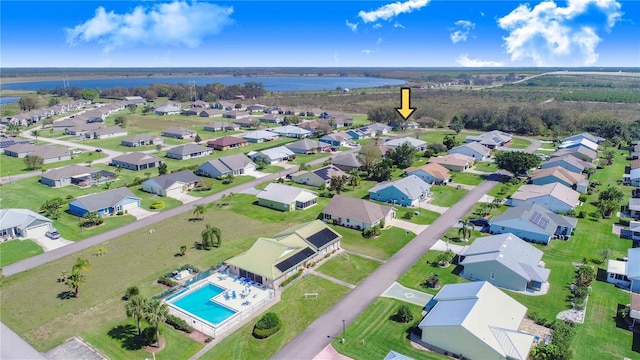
x=33 y=116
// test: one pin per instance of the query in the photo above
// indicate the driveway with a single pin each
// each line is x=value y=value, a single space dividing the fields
x=397 y=291
x=48 y=244
x=140 y=213
x=462 y=186
x=428 y=206
x=443 y=246
x=12 y=347
x=406 y=225
x=185 y=197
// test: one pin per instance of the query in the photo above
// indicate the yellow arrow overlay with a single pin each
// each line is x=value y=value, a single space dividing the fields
x=405 y=110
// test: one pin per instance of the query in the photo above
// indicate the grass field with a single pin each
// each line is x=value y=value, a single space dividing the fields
x=380 y=333
x=295 y=312
x=446 y=195
x=487 y=167
x=16 y=250
x=13 y=166
x=383 y=247
x=424 y=217
x=519 y=143
x=350 y=268
x=425 y=267
x=466 y=178
x=246 y=204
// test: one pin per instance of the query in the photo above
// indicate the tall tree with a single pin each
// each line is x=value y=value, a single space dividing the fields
x=89 y=94
x=28 y=103
x=354 y=178
x=162 y=168
x=516 y=162
x=35 y=133
x=199 y=211
x=465 y=229
x=33 y=161
x=136 y=308
x=369 y=156
x=337 y=183
x=13 y=129
x=155 y=313
x=403 y=156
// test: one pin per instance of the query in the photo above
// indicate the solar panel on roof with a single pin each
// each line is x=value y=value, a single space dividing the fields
x=535 y=217
x=295 y=259
x=322 y=238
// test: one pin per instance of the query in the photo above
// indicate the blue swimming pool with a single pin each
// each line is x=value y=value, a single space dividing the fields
x=198 y=303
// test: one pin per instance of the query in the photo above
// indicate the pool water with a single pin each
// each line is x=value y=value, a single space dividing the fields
x=198 y=303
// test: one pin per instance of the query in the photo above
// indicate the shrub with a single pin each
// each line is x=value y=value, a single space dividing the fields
x=291 y=278
x=131 y=292
x=268 y=325
x=120 y=213
x=408 y=215
x=178 y=324
x=157 y=205
x=404 y=314
x=208 y=339
x=582 y=214
x=432 y=281
x=149 y=335
x=624 y=222
x=167 y=281
x=582 y=198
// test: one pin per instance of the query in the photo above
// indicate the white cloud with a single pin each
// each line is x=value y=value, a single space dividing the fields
x=398 y=25
x=378 y=42
x=463 y=29
x=465 y=61
x=352 y=26
x=367 y=51
x=178 y=23
x=377 y=26
x=549 y=35
x=392 y=10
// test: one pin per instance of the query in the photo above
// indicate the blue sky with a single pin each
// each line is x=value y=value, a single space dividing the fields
x=415 y=33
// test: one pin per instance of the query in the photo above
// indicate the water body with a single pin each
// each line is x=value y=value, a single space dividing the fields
x=271 y=83
x=8 y=100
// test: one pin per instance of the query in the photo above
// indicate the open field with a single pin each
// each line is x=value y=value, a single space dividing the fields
x=12 y=166
x=466 y=178
x=349 y=268
x=383 y=247
x=16 y=250
x=446 y=195
x=425 y=267
x=295 y=312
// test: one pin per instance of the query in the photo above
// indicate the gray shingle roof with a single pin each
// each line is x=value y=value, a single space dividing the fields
x=178 y=130
x=137 y=158
x=356 y=209
x=412 y=186
x=346 y=159
x=111 y=198
x=534 y=218
x=184 y=176
x=307 y=144
x=284 y=194
x=188 y=149
x=69 y=171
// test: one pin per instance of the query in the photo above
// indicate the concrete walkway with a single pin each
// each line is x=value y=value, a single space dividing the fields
x=434 y=208
x=443 y=246
x=49 y=244
x=462 y=186
x=364 y=256
x=12 y=347
x=406 y=225
x=397 y=291
x=332 y=279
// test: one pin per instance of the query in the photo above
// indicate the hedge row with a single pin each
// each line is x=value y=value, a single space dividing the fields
x=178 y=324
x=268 y=325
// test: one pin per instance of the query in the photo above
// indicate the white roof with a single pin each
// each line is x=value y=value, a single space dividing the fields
x=275 y=153
x=579 y=142
x=19 y=218
x=633 y=265
x=285 y=194
x=399 y=141
x=617 y=267
x=555 y=190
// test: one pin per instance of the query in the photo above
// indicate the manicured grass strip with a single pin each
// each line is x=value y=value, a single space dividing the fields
x=247 y=205
x=424 y=217
x=519 y=143
x=425 y=267
x=295 y=312
x=383 y=247
x=350 y=268
x=15 y=250
x=446 y=195
x=488 y=167
x=380 y=333
x=467 y=178
x=13 y=166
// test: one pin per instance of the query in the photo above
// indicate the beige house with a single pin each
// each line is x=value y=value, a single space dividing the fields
x=317 y=178
x=356 y=213
x=454 y=162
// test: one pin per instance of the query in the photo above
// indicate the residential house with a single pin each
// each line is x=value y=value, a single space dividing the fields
x=227 y=142
x=171 y=185
x=256 y=108
x=632 y=233
x=408 y=191
x=48 y=153
x=135 y=100
x=269 y=261
x=235 y=115
x=476 y=320
x=189 y=112
x=474 y=150
x=273 y=155
x=585 y=135
x=142 y=140
x=336 y=120
x=506 y=261
x=360 y=133
x=260 y=136
x=108 y=132
x=557 y=174
x=491 y=139
x=633 y=178
x=310 y=125
x=271 y=119
x=419 y=145
x=346 y=161
x=83 y=129
x=581 y=152
x=568 y=162
x=7 y=143
x=337 y=139
x=555 y=197
x=237 y=164
x=179 y=132
x=188 y=151
x=286 y=198
x=583 y=142
x=23 y=223
x=136 y=161
x=357 y=213
x=105 y=203
x=319 y=177
x=307 y=146
x=199 y=104
x=291 y=131
x=533 y=223
x=221 y=126
x=379 y=129
x=633 y=209
x=246 y=122
x=431 y=173
x=169 y=109
x=393 y=355
x=211 y=113
x=75 y=175
x=454 y=162
x=626 y=274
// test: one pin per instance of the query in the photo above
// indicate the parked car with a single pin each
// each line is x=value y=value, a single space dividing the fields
x=76 y=152
x=53 y=235
x=98 y=150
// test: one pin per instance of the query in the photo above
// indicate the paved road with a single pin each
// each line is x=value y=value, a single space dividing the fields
x=52 y=255
x=12 y=347
x=319 y=333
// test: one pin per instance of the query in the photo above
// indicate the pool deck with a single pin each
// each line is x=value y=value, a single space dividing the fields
x=251 y=294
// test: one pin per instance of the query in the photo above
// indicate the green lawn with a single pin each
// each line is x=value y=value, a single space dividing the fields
x=383 y=247
x=380 y=333
x=350 y=268
x=219 y=185
x=487 y=167
x=519 y=143
x=466 y=178
x=246 y=204
x=13 y=166
x=296 y=314
x=31 y=306
x=446 y=195
x=424 y=217
x=16 y=250
x=425 y=267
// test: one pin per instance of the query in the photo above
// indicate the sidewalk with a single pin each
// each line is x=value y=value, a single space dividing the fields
x=332 y=279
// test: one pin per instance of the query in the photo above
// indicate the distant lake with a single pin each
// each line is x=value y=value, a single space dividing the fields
x=8 y=100
x=271 y=83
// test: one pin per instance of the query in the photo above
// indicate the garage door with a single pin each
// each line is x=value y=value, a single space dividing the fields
x=37 y=231
x=129 y=206
x=175 y=192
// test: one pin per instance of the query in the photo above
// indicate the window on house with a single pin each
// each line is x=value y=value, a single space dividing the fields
x=493 y=275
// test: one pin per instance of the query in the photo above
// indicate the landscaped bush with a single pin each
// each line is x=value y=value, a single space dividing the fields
x=624 y=222
x=291 y=278
x=157 y=205
x=120 y=213
x=582 y=198
x=371 y=232
x=149 y=335
x=167 y=281
x=404 y=314
x=178 y=324
x=408 y=215
x=268 y=325
x=432 y=281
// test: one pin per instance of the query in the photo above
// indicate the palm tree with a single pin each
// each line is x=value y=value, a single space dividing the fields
x=118 y=170
x=183 y=250
x=35 y=134
x=354 y=178
x=465 y=229
x=136 y=308
x=199 y=211
x=211 y=235
x=74 y=281
x=156 y=311
x=101 y=251
x=13 y=129
x=337 y=183
x=81 y=265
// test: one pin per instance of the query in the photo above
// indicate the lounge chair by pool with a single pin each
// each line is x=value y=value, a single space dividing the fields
x=233 y=294
x=226 y=295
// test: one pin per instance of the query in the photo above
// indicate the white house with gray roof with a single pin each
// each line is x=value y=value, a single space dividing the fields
x=286 y=198
x=188 y=151
x=625 y=274
x=581 y=152
x=291 y=131
x=307 y=146
x=75 y=175
x=357 y=213
x=491 y=139
x=585 y=135
x=476 y=320
x=171 y=185
x=108 y=132
x=260 y=136
x=273 y=155
x=48 y=153
x=568 y=162
x=533 y=223
x=168 y=109
x=105 y=203
x=136 y=161
x=141 y=140
x=418 y=144
x=474 y=150
x=555 y=197
x=179 y=132
x=238 y=164
x=407 y=191
x=23 y=223
x=318 y=177
x=506 y=261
